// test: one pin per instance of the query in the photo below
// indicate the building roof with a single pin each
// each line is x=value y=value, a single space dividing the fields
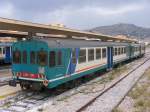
x=33 y=28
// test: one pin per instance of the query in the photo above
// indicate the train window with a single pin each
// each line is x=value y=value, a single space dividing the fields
x=82 y=56
x=42 y=58
x=116 y=51
x=135 y=49
x=73 y=56
x=122 y=50
x=103 y=52
x=119 y=51
x=16 y=57
x=0 y=50
x=32 y=57
x=90 y=54
x=52 y=60
x=4 y=50
x=24 y=57
x=59 y=58
x=125 y=50
x=98 y=53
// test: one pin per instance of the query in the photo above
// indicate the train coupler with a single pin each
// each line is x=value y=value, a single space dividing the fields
x=13 y=83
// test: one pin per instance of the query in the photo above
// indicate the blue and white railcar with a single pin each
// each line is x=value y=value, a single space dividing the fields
x=51 y=62
x=5 y=52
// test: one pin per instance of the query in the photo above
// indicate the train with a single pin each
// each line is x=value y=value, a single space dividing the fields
x=50 y=62
x=5 y=52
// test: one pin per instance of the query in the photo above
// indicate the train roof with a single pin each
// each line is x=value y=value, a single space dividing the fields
x=71 y=43
x=6 y=43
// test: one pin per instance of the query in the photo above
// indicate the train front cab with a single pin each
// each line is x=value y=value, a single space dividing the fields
x=34 y=63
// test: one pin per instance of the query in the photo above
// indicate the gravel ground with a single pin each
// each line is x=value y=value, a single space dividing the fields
x=138 y=99
x=5 y=74
x=7 y=91
x=109 y=100
x=77 y=97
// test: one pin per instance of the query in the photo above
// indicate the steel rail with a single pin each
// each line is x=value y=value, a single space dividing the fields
x=106 y=90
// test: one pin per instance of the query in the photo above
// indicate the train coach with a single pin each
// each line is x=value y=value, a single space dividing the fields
x=5 y=52
x=50 y=62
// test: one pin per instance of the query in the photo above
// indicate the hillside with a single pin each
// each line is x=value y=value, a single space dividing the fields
x=130 y=30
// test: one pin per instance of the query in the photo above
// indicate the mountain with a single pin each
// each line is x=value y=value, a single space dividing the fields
x=129 y=30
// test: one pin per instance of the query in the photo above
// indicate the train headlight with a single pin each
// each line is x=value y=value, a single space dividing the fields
x=45 y=82
x=41 y=70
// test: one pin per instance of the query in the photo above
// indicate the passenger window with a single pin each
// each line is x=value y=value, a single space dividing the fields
x=73 y=56
x=125 y=50
x=104 y=53
x=59 y=58
x=122 y=50
x=32 y=57
x=90 y=54
x=119 y=51
x=116 y=50
x=98 y=53
x=0 y=50
x=42 y=58
x=16 y=57
x=82 y=56
x=24 y=57
x=52 y=60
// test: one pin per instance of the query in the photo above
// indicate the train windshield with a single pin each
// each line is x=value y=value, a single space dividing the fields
x=42 y=58
x=16 y=57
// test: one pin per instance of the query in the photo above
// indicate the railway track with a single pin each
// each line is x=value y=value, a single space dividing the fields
x=5 y=68
x=3 y=83
x=22 y=101
x=26 y=100
x=84 y=107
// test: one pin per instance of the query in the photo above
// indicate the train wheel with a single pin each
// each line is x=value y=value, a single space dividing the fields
x=25 y=86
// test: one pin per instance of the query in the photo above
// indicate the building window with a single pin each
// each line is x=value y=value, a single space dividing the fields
x=103 y=52
x=74 y=56
x=82 y=56
x=42 y=58
x=98 y=53
x=90 y=54
x=24 y=57
x=16 y=57
x=59 y=58
x=32 y=57
x=52 y=59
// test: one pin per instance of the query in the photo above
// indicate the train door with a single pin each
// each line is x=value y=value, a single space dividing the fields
x=132 y=51
x=73 y=60
x=7 y=54
x=109 y=57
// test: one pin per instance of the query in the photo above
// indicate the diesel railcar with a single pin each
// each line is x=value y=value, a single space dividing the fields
x=5 y=52
x=50 y=62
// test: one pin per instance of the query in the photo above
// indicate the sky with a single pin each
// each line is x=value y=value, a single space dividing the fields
x=79 y=14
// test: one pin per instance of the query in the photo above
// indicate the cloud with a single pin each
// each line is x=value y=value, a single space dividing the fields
x=76 y=13
x=6 y=10
x=85 y=15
